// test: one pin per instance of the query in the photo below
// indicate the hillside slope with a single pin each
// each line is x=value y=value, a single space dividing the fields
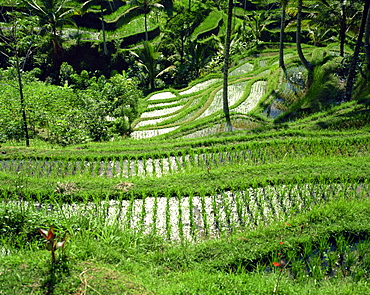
x=260 y=96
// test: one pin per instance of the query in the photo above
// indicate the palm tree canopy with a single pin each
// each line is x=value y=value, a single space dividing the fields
x=51 y=12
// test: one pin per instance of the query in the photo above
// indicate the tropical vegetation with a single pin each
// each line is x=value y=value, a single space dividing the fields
x=184 y=147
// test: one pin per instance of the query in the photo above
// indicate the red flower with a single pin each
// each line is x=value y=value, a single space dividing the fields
x=281 y=243
x=279 y=254
x=276 y=264
x=287 y=224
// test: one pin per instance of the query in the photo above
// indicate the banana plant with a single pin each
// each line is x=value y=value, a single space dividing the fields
x=52 y=243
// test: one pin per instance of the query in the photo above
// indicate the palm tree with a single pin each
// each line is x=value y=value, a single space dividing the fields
x=87 y=5
x=353 y=66
x=198 y=57
x=53 y=15
x=147 y=58
x=226 y=67
x=367 y=44
x=304 y=61
x=145 y=6
x=176 y=34
x=340 y=15
x=343 y=28
x=284 y=4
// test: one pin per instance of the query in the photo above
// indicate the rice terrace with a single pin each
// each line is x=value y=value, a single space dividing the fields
x=184 y=147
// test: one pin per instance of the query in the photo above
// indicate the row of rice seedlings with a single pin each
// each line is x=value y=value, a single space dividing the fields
x=187 y=160
x=150 y=166
x=235 y=93
x=155 y=215
x=258 y=207
x=179 y=161
x=228 y=214
x=192 y=212
x=168 y=217
x=142 y=166
x=339 y=257
x=180 y=223
x=141 y=134
x=53 y=170
x=202 y=216
x=191 y=217
x=129 y=213
x=257 y=91
x=215 y=214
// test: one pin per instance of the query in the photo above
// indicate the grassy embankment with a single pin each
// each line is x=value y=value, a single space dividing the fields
x=195 y=216
x=317 y=223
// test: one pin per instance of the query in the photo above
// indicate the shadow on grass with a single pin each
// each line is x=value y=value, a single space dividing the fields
x=55 y=274
x=354 y=119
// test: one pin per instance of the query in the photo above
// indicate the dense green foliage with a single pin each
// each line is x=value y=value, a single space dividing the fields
x=128 y=179
x=184 y=41
x=74 y=113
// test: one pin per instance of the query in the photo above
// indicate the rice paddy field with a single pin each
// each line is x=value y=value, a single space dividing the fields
x=187 y=196
x=183 y=207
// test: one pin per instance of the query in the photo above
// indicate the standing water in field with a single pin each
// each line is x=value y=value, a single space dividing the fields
x=193 y=217
x=290 y=90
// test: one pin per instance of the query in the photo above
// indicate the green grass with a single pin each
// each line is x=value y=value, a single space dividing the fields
x=234 y=162
x=105 y=259
x=211 y=22
x=116 y=14
x=300 y=196
x=226 y=208
x=135 y=26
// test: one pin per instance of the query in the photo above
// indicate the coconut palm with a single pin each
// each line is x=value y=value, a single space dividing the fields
x=198 y=57
x=367 y=44
x=257 y=23
x=226 y=67
x=100 y=3
x=353 y=66
x=145 y=6
x=337 y=15
x=147 y=59
x=283 y=4
x=53 y=15
x=176 y=34
x=304 y=61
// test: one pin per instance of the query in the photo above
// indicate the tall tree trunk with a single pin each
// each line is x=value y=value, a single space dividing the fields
x=103 y=31
x=367 y=43
x=352 y=68
x=23 y=106
x=152 y=83
x=146 y=27
x=343 y=28
x=57 y=51
x=304 y=61
x=226 y=67
x=182 y=50
x=281 y=43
